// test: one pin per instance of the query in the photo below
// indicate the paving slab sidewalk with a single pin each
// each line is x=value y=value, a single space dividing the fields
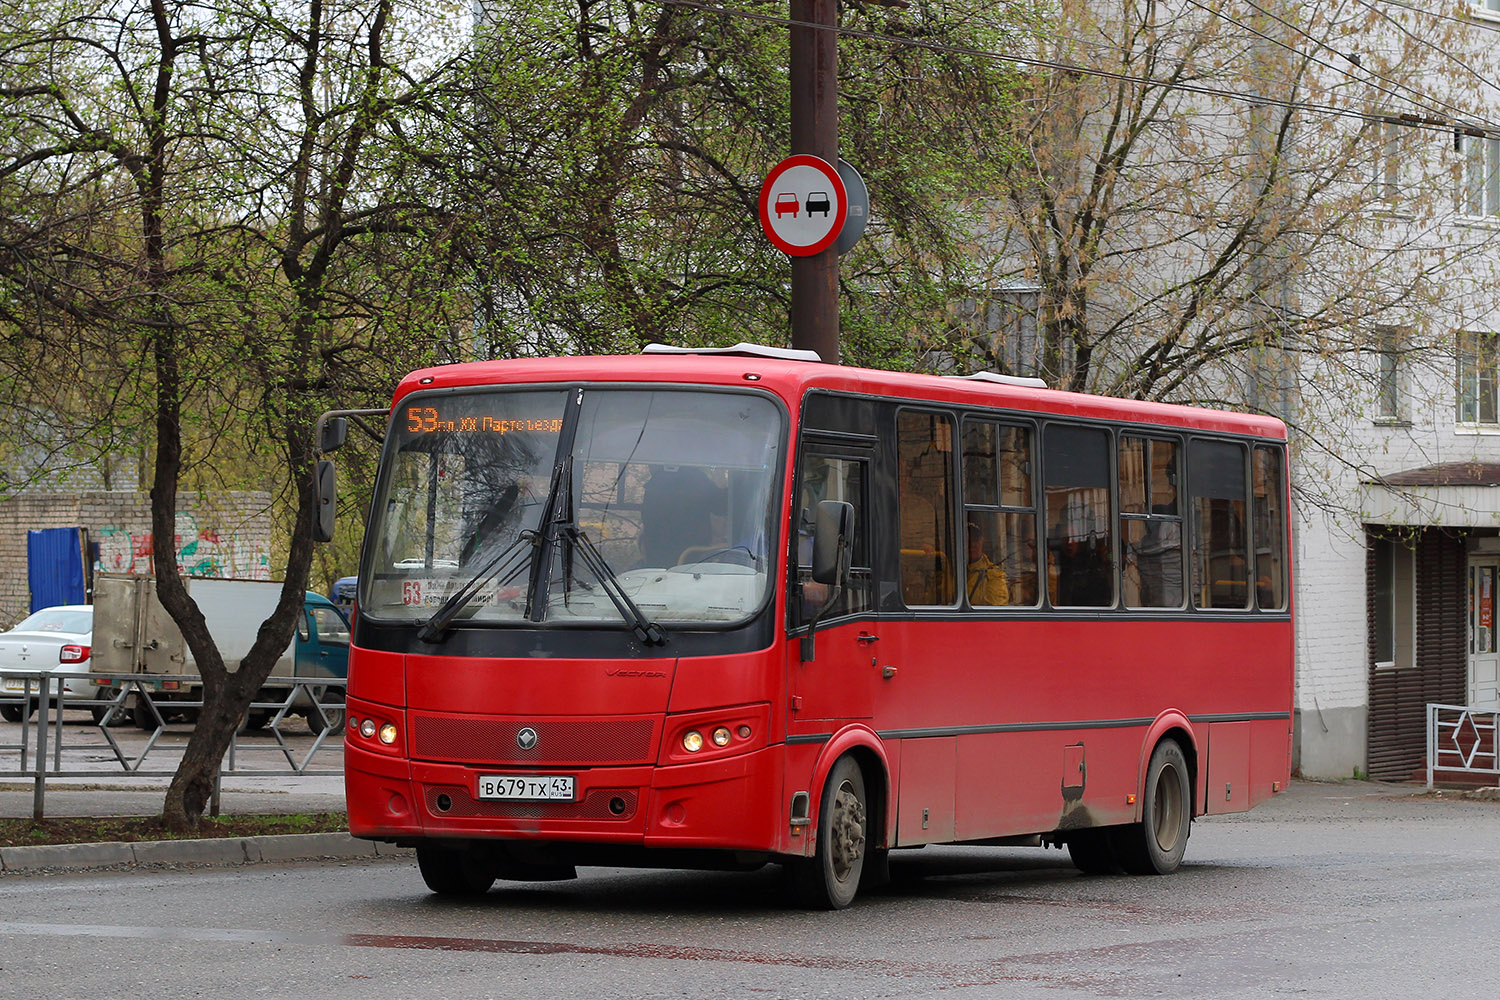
x=239 y=796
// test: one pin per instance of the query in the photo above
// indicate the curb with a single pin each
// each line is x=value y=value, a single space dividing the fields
x=212 y=851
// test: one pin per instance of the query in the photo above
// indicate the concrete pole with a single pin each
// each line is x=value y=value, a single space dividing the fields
x=815 y=130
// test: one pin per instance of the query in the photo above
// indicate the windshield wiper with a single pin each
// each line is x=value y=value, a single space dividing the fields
x=647 y=631
x=434 y=628
x=562 y=527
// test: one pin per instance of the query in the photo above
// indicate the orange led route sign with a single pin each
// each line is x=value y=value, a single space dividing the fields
x=803 y=205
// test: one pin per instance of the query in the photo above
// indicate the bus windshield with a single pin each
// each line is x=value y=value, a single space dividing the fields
x=487 y=499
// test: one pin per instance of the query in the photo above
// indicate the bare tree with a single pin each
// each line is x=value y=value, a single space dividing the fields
x=224 y=191
x=1211 y=195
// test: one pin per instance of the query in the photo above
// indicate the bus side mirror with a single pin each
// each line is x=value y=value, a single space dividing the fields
x=327 y=502
x=335 y=430
x=833 y=530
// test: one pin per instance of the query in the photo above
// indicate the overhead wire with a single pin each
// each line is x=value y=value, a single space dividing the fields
x=1473 y=22
x=1461 y=112
x=1429 y=44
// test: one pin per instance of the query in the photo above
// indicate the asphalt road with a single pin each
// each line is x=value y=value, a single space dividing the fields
x=1348 y=890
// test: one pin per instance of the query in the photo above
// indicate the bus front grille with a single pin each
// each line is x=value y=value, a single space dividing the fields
x=564 y=742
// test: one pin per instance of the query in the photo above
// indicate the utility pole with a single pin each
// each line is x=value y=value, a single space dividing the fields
x=815 y=131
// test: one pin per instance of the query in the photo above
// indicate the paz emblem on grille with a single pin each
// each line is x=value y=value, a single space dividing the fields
x=526 y=738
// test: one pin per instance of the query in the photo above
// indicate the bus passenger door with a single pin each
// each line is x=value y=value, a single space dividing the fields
x=839 y=682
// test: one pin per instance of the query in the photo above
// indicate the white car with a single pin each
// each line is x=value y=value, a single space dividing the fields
x=57 y=638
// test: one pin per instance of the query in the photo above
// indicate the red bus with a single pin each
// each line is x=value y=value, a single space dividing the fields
x=729 y=608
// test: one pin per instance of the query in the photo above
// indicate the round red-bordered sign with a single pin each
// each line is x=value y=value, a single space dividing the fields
x=803 y=205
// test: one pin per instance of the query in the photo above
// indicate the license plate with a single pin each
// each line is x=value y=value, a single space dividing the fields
x=526 y=787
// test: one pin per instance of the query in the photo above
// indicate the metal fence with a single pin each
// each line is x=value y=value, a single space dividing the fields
x=148 y=705
x=1461 y=740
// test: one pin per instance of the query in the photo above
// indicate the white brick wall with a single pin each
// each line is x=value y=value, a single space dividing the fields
x=226 y=534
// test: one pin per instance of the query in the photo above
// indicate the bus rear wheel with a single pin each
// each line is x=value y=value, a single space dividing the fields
x=830 y=878
x=1155 y=845
x=450 y=871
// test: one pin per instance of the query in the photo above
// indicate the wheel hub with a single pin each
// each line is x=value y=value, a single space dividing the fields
x=847 y=832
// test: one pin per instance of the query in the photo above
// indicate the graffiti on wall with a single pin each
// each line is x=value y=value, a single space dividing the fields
x=200 y=552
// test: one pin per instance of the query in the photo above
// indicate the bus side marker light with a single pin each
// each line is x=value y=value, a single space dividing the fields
x=692 y=741
x=388 y=733
x=1275 y=787
x=1130 y=800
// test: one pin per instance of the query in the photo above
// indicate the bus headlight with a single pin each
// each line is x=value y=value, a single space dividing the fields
x=692 y=741
x=367 y=728
x=388 y=733
x=721 y=736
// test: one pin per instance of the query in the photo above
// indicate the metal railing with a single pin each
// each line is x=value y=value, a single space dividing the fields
x=1461 y=740
x=149 y=703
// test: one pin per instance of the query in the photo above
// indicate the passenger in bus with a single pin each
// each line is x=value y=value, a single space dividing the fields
x=987 y=583
x=677 y=512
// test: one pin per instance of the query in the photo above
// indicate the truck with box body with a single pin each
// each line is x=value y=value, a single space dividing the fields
x=134 y=634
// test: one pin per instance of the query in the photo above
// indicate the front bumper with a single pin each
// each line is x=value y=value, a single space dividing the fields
x=720 y=804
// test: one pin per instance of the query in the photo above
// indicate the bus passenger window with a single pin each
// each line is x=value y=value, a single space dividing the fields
x=999 y=515
x=1151 y=572
x=1080 y=547
x=1270 y=540
x=924 y=456
x=1221 y=570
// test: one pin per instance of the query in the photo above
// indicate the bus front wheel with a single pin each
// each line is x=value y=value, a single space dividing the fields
x=830 y=878
x=1155 y=845
x=450 y=871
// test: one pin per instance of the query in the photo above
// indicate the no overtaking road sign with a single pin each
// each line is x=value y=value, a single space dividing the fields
x=803 y=205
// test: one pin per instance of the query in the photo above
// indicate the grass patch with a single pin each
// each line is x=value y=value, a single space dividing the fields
x=93 y=830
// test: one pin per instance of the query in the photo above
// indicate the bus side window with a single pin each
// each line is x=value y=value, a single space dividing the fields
x=1080 y=555
x=825 y=477
x=1150 y=523
x=1220 y=562
x=1270 y=540
x=999 y=515
x=930 y=557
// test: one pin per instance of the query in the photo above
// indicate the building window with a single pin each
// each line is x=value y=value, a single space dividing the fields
x=1388 y=344
x=1481 y=179
x=1477 y=354
x=1395 y=604
x=1002 y=323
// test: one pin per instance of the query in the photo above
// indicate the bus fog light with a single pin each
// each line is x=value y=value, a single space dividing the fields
x=744 y=732
x=388 y=733
x=721 y=737
x=692 y=741
x=367 y=728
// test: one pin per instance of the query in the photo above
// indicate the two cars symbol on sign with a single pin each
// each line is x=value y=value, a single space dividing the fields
x=803 y=205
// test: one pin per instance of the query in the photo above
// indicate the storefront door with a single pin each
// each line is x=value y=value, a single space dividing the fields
x=1484 y=660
